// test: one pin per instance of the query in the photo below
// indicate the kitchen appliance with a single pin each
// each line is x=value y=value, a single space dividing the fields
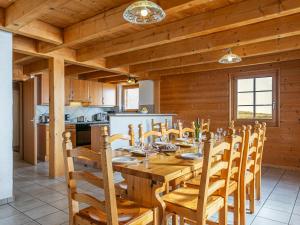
x=83 y=134
x=80 y=119
x=100 y=117
x=44 y=118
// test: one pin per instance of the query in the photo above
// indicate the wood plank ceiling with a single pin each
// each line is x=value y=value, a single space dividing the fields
x=97 y=43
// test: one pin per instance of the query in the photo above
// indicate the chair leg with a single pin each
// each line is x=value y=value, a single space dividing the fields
x=223 y=214
x=258 y=185
x=243 y=200
x=174 y=220
x=237 y=207
x=252 y=196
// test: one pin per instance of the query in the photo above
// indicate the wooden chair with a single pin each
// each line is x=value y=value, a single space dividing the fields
x=156 y=126
x=113 y=210
x=197 y=205
x=127 y=137
x=169 y=132
x=236 y=171
x=144 y=136
x=189 y=130
x=205 y=126
x=251 y=166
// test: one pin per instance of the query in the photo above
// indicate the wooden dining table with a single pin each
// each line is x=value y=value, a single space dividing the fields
x=148 y=180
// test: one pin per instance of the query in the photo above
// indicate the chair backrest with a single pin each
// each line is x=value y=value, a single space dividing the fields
x=205 y=126
x=156 y=126
x=208 y=185
x=190 y=130
x=169 y=132
x=145 y=135
x=260 y=129
x=109 y=206
x=130 y=136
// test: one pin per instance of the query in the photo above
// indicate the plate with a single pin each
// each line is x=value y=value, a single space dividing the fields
x=124 y=160
x=161 y=143
x=181 y=139
x=185 y=145
x=128 y=148
x=191 y=155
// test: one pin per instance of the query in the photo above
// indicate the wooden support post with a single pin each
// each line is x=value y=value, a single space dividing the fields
x=57 y=117
x=157 y=96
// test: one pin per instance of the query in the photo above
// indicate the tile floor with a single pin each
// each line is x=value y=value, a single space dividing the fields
x=40 y=200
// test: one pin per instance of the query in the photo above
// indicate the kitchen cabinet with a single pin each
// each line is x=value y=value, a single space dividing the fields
x=79 y=90
x=109 y=94
x=67 y=90
x=43 y=139
x=43 y=89
x=95 y=93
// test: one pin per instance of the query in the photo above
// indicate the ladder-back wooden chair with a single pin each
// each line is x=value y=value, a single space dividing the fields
x=236 y=171
x=170 y=133
x=113 y=210
x=190 y=130
x=247 y=184
x=205 y=126
x=261 y=130
x=143 y=136
x=156 y=126
x=126 y=137
x=197 y=205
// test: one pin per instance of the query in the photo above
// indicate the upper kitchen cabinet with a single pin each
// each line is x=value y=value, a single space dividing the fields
x=95 y=93
x=109 y=94
x=43 y=89
x=79 y=90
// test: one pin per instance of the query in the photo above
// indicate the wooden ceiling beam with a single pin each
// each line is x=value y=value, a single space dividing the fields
x=36 y=67
x=261 y=48
x=22 y=12
x=28 y=46
x=97 y=75
x=21 y=58
x=263 y=31
x=111 y=21
x=256 y=60
x=245 y=13
x=114 y=79
x=76 y=70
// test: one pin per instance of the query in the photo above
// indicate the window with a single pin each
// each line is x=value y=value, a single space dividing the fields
x=255 y=96
x=131 y=98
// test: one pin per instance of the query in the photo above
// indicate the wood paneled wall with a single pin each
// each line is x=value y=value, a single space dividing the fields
x=207 y=95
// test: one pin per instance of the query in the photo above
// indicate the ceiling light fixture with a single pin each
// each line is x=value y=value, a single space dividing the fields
x=144 y=12
x=131 y=80
x=230 y=58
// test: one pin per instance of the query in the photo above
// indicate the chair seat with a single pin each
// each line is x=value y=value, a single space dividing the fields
x=195 y=182
x=184 y=200
x=128 y=212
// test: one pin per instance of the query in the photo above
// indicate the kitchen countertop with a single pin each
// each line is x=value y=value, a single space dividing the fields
x=141 y=114
x=75 y=123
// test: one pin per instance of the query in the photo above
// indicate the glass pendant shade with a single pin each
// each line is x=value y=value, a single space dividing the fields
x=230 y=58
x=144 y=12
x=131 y=80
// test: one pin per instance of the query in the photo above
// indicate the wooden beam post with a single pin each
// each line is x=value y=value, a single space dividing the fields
x=57 y=117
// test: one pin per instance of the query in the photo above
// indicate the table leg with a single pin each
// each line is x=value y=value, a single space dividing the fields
x=147 y=193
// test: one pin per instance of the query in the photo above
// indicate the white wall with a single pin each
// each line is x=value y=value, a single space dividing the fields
x=146 y=92
x=6 y=152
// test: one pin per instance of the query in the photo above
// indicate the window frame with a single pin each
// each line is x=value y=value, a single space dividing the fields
x=124 y=88
x=274 y=122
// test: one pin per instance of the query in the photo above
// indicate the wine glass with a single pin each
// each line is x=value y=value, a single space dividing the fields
x=185 y=135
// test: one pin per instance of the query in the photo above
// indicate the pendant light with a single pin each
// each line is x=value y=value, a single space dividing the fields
x=230 y=58
x=144 y=12
x=131 y=80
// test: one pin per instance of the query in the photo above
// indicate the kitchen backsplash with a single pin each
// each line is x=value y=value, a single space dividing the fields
x=74 y=111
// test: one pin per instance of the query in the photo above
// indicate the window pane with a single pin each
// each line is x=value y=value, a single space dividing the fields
x=245 y=84
x=264 y=84
x=245 y=99
x=245 y=112
x=264 y=98
x=263 y=112
x=132 y=98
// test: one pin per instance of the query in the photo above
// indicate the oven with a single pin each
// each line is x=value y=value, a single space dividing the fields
x=83 y=134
